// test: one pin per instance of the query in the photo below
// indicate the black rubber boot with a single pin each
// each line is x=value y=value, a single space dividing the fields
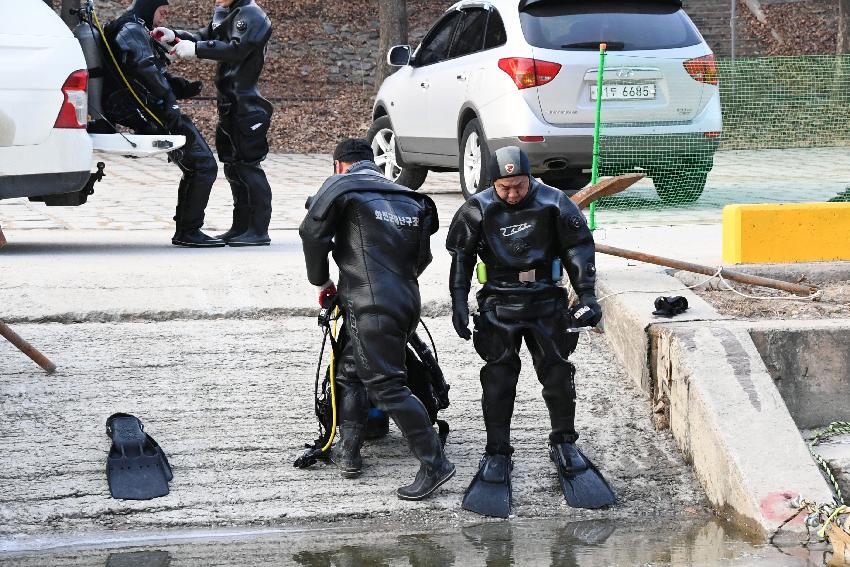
x=241 y=205
x=434 y=470
x=195 y=239
x=236 y=229
x=250 y=238
x=346 y=451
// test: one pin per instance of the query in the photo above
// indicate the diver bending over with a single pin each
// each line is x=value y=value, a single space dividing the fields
x=379 y=233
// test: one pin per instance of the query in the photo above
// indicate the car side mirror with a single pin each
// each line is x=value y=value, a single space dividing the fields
x=399 y=56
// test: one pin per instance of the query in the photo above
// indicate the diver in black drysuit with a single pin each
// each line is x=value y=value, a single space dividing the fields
x=520 y=299
x=144 y=63
x=237 y=38
x=379 y=234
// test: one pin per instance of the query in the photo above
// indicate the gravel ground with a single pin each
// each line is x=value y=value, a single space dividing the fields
x=231 y=403
x=834 y=302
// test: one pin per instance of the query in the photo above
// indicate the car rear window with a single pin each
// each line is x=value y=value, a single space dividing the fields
x=627 y=25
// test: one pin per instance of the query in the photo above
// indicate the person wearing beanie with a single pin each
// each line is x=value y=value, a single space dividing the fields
x=523 y=232
x=379 y=233
x=236 y=38
x=144 y=63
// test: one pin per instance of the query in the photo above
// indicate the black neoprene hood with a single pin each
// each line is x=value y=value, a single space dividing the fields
x=145 y=9
x=509 y=161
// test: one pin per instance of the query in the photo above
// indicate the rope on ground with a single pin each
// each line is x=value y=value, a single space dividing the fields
x=716 y=274
x=719 y=276
x=834 y=428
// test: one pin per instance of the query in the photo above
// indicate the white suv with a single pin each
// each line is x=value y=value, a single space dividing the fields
x=495 y=73
x=45 y=151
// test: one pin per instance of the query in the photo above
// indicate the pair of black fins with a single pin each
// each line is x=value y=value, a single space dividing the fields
x=489 y=493
x=136 y=467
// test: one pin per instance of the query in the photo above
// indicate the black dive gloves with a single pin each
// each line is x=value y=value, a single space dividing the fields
x=588 y=313
x=460 y=315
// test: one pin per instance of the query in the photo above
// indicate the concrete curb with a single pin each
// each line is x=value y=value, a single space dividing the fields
x=705 y=374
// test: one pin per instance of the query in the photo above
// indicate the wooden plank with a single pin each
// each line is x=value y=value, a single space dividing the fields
x=604 y=188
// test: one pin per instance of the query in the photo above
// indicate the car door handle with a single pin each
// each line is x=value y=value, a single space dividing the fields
x=425 y=84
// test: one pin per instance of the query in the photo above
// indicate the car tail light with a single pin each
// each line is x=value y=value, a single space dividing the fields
x=531 y=139
x=711 y=134
x=527 y=72
x=74 y=111
x=702 y=69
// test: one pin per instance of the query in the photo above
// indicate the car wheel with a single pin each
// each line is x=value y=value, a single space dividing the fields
x=568 y=181
x=680 y=186
x=474 y=156
x=381 y=136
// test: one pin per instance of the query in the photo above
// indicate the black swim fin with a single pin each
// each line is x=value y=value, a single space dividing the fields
x=489 y=493
x=582 y=483
x=136 y=467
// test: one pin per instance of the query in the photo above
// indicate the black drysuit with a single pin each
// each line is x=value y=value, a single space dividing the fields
x=144 y=64
x=379 y=233
x=237 y=39
x=511 y=239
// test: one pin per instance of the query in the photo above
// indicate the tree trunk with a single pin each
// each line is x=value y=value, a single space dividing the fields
x=392 y=15
x=843 y=26
x=71 y=20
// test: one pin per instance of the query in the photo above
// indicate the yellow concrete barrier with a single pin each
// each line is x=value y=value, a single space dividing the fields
x=806 y=232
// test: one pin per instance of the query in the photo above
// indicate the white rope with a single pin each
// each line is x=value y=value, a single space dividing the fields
x=811 y=297
x=716 y=274
x=719 y=275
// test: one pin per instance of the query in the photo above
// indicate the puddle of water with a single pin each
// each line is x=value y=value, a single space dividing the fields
x=490 y=544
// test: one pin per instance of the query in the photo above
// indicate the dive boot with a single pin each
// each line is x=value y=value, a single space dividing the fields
x=434 y=470
x=231 y=233
x=195 y=239
x=489 y=493
x=136 y=467
x=582 y=483
x=346 y=452
x=250 y=238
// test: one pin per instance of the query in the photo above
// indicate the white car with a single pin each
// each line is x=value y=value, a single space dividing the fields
x=495 y=73
x=45 y=151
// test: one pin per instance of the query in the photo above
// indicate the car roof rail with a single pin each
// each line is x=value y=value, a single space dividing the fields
x=525 y=4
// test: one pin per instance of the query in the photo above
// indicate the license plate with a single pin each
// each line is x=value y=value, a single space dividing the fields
x=625 y=92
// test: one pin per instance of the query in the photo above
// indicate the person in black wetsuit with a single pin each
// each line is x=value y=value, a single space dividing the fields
x=523 y=232
x=237 y=37
x=144 y=63
x=379 y=233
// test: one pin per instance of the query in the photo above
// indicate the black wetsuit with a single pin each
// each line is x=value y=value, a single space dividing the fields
x=379 y=234
x=237 y=39
x=511 y=239
x=143 y=63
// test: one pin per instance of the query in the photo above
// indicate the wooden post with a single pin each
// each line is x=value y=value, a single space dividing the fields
x=796 y=289
x=26 y=348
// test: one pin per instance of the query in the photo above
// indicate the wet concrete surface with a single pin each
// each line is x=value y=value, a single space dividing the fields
x=651 y=542
x=230 y=401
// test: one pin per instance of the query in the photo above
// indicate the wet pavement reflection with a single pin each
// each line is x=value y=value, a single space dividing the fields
x=492 y=544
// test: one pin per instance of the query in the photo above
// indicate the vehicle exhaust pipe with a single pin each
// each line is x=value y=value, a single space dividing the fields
x=555 y=164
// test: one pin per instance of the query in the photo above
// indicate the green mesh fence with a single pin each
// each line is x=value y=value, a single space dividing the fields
x=785 y=134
